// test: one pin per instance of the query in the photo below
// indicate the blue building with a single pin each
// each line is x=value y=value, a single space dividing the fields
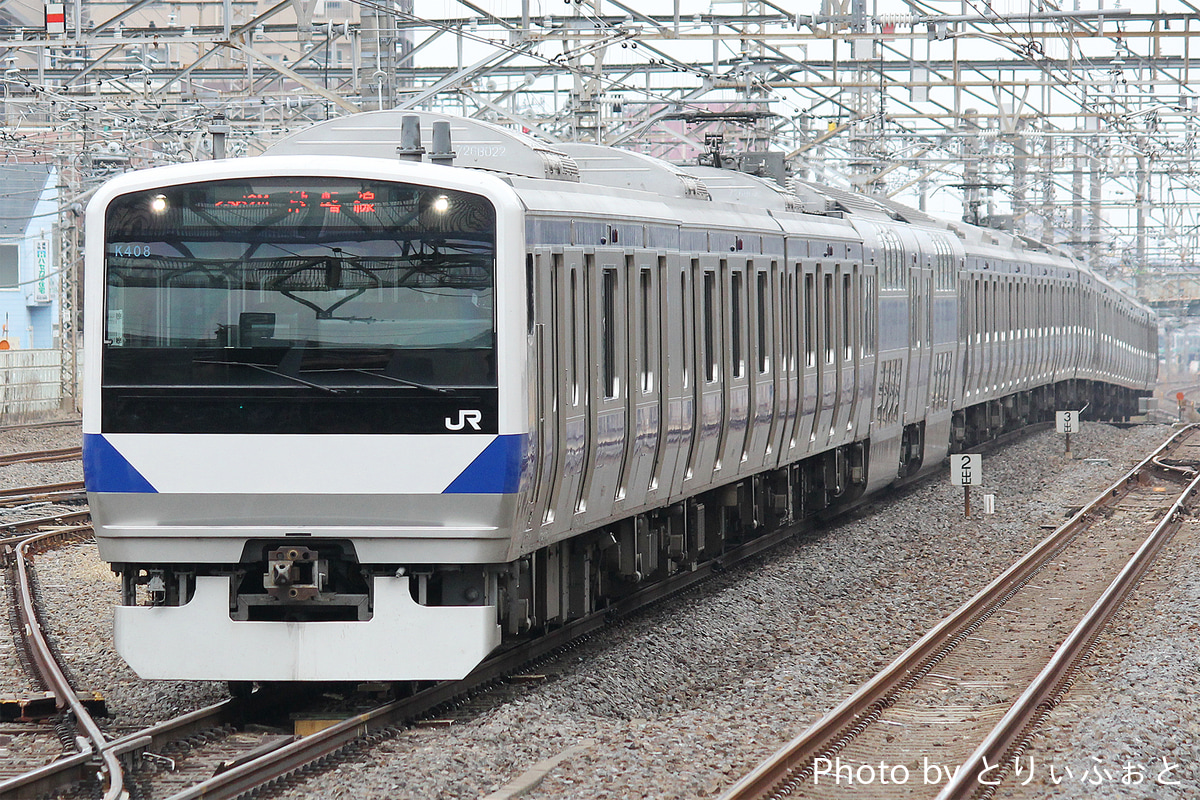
x=28 y=275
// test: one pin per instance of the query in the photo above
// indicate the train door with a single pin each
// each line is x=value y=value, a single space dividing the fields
x=989 y=349
x=813 y=381
x=1033 y=321
x=571 y=346
x=974 y=336
x=965 y=333
x=732 y=451
x=868 y=353
x=645 y=378
x=710 y=400
x=778 y=368
x=543 y=269
x=608 y=428
x=829 y=353
x=860 y=386
x=995 y=352
x=1021 y=348
x=1042 y=333
x=683 y=372
x=763 y=365
x=920 y=335
x=788 y=373
x=1007 y=327
x=845 y=308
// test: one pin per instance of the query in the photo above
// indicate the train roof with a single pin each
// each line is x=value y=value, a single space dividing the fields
x=475 y=143
x=729 y=186
x=625 y=169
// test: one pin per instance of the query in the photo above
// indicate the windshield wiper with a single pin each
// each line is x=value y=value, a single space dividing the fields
x=272 y=371
x=374 y=374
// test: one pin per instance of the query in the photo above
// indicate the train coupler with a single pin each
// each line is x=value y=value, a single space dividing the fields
x=295 y=573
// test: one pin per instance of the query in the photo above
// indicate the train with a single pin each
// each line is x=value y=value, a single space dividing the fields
x=407 y=387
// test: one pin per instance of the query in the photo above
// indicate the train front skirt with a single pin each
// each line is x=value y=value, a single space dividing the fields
x=403 y=640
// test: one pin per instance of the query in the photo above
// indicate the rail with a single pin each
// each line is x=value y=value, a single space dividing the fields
x=293 y=755
x=785 y=772
x=42 y=456
x=68 y=490
x=92 y=738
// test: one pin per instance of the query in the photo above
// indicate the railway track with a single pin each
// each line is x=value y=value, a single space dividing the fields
x=25 y=426
x=50 y=673
x=950 y=716
x=97 y=757
x=42 y=456
x=155 y=763
x=66 y=492
x=12 y=533
x=286 y=758
x=281 y=756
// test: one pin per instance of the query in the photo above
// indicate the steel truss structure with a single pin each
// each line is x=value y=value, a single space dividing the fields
x=1070 y=121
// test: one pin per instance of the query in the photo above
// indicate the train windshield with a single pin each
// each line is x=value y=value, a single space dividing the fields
x=298 y=305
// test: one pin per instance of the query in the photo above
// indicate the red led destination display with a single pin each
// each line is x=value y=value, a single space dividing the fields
x=359 y=201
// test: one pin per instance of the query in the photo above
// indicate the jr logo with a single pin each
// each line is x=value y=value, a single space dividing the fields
x=465 y=416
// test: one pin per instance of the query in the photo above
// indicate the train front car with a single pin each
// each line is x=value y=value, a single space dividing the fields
x=303 y=428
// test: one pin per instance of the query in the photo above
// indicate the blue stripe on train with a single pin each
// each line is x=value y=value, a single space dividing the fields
x=106 y=470
x=497 y=470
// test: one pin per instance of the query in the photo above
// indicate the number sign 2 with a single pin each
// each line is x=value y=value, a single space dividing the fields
x=966 y=469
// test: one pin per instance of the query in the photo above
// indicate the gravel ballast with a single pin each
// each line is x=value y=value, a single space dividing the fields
x=77 y=592
x=1130 y=726
x=681 y=701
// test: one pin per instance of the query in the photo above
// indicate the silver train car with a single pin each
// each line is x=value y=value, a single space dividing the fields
x=406 y=385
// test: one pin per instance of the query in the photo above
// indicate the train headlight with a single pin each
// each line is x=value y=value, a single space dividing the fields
x=158 y=203
x=441 y=204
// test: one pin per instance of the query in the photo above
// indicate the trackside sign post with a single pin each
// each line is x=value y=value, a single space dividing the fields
x=966 y=470
x=1067 y=422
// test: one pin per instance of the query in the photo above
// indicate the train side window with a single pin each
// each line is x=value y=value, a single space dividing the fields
x=789 y=320
x=783 y=297
x=1001 y=311
x=869 y=316
x=648 y=325
x=847 y=329
x=790 y=314
x=529 y=293
x=764 y=360
x=978 y=291
x=914 y=314
x=738 y=363
x=574 y=345
x=1020 y=308
x=710 y=350
x=987 y=311
x=608 y=333
x=927 y=312
x=810 y=321
x=689 y=331
x=964 y=317
x=997 y=311
x=827 y=309
x=1012 y=311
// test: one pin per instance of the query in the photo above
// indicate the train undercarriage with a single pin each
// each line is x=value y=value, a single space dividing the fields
x=573 y=578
